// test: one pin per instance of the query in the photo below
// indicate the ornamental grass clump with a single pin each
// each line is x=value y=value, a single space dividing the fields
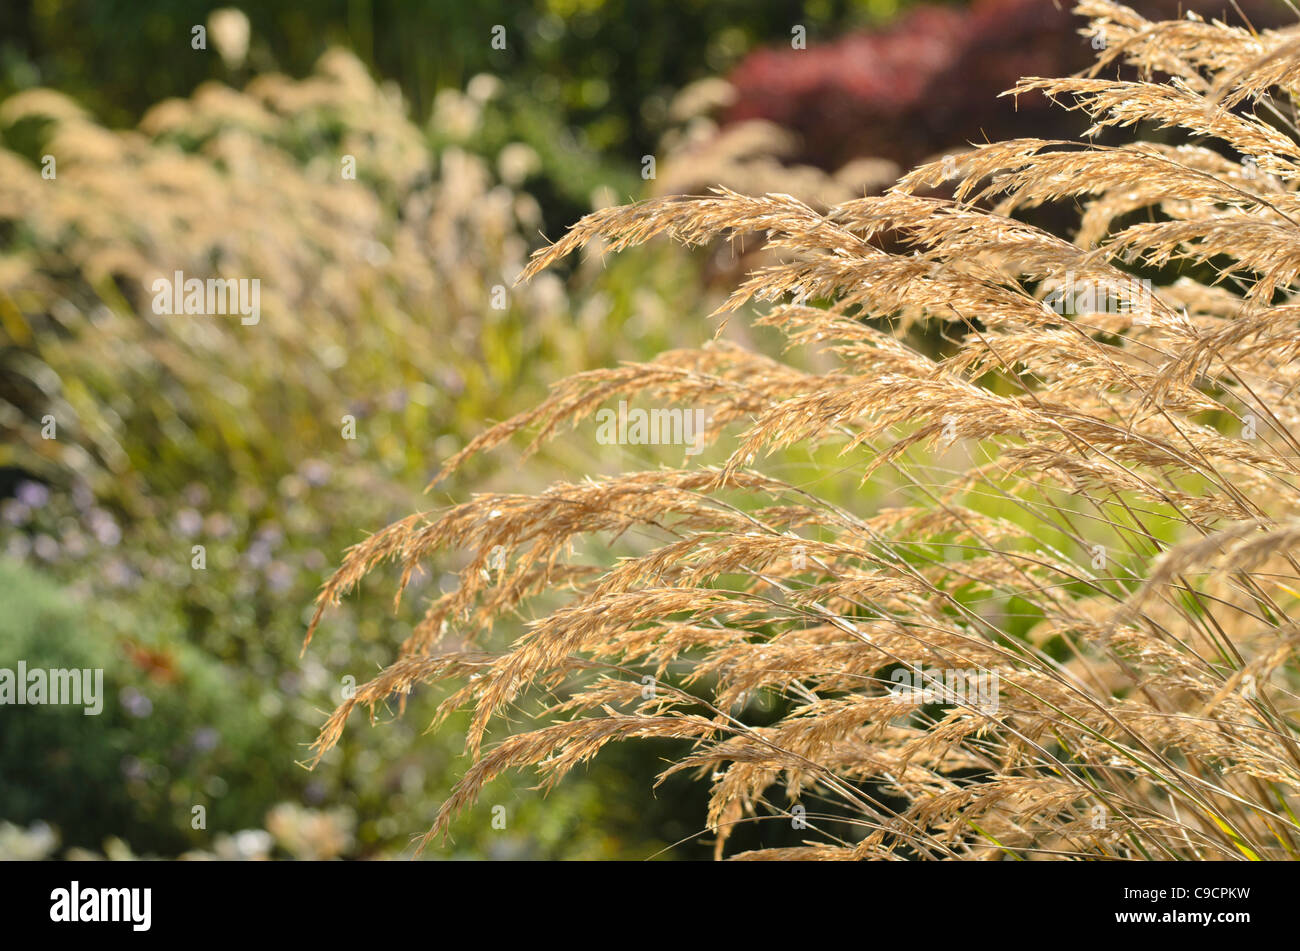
x=1068 y=634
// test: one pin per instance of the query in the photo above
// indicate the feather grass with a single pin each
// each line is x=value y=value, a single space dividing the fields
x=1122 y=561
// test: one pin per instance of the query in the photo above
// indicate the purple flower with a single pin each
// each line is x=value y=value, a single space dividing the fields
x=104 y=528
x=15 y=512
x=188 y=522
x=136 y=703
x=315 y=472
x=279 y=577
x=32 y=494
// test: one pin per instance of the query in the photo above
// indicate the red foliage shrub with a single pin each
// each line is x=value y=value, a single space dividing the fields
x=930 y=80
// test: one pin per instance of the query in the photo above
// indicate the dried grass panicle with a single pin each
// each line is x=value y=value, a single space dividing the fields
x=1099 y=513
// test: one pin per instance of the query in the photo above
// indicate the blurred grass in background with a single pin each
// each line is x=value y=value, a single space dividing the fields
x=175 y=432
x=378 y=305
x=387 y=305
x=606 y=66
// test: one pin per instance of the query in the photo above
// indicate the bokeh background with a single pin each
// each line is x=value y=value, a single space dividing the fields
x=387 y=297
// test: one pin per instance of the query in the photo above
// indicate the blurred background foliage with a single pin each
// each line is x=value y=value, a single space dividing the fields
x=388 y=298
x=380 y=312
x=594 y=77
x=607 y=67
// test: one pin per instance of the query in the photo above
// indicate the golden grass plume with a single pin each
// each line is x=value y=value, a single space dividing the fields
x=1101 y=520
